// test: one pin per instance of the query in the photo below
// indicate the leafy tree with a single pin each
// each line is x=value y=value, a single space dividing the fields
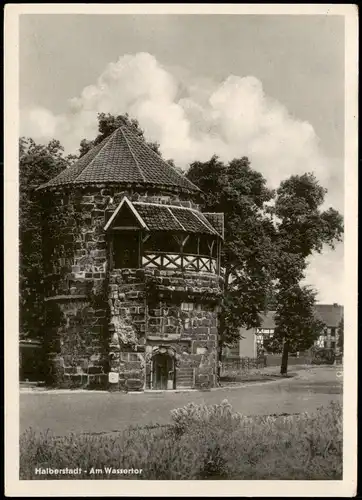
x=37 y=164
x=296 y=326
x=302 y=228
x=239 y=192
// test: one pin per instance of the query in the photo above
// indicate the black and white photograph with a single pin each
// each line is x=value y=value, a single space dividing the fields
x=180 y=264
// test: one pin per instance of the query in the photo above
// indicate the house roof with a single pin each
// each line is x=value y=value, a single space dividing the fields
x=330 y=314
x=123 y=158
x=161 y=217
x=268 y=320
x=174 y=218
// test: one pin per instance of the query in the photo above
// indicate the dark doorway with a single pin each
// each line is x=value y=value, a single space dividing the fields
x=163 y=372
x=31 y=366
x=126 y=250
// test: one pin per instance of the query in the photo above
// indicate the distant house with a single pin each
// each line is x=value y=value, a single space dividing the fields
x=331 y=315
x=252 y=340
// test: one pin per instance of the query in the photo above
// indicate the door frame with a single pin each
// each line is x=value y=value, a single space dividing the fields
x=168 y=356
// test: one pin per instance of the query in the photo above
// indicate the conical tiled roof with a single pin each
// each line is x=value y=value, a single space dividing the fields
x=123 y=158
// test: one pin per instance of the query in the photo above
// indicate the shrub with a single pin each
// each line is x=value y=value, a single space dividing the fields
x=198 y=415
x=203 y=442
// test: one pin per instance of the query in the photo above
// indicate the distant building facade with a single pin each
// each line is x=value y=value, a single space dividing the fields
x=252 y=343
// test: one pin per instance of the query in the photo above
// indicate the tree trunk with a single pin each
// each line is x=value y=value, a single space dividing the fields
x=284 y=365
x=221 y=321
x=219 y=358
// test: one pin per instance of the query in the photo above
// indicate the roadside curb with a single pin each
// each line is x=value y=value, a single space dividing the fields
x=150 y=391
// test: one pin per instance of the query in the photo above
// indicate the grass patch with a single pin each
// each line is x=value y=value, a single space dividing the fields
x=203 y=442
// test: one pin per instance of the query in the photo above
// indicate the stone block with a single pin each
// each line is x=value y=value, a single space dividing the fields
x=174 y=336
x=155 y=312
x=93 y=382
x=70 y=370
x=206 y=370
x=97 y=213
x=59 y=362
x=133 y=357
x=133 y=384
x=137 y=373
x=170 y=329
x=132 y=365
x=187 y=332
x=202 y=379
x=200 y=330
x=76 y=380
x=95 y=370
x=87 y=199
x=154 y=321
x=122 y=384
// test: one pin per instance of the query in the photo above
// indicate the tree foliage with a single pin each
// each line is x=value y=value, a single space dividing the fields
x=239 y=192
x=37 y=164
x=302 y=228
x=295 y=320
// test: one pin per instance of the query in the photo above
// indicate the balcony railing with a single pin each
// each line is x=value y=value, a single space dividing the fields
x=176 y=261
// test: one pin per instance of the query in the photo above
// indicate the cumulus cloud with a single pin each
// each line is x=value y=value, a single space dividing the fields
x=229 y=119
x=193 y=118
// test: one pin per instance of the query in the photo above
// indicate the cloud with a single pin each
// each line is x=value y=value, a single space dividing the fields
x=326 y=274
x=193 y=118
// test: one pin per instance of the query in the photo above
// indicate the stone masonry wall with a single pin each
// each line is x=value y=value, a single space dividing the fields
x=151 y=308
x=74 y=242
x=77 y=345
x=97 y=321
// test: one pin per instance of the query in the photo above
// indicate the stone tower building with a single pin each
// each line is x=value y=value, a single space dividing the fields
x=132 y=272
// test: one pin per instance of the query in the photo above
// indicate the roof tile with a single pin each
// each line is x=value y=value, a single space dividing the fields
x=330 y=314
x=123 y=158
x=157 y=218
x=216 y=220
x=171 y=218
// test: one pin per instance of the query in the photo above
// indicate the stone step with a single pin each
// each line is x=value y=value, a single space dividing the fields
x=185 y=378
x=185 y=375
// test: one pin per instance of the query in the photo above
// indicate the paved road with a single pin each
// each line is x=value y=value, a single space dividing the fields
x=102 y=412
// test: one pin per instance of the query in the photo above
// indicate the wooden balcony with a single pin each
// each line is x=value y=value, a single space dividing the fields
x=183 y=262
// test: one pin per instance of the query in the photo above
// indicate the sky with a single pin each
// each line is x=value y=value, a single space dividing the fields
x=267 y=87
